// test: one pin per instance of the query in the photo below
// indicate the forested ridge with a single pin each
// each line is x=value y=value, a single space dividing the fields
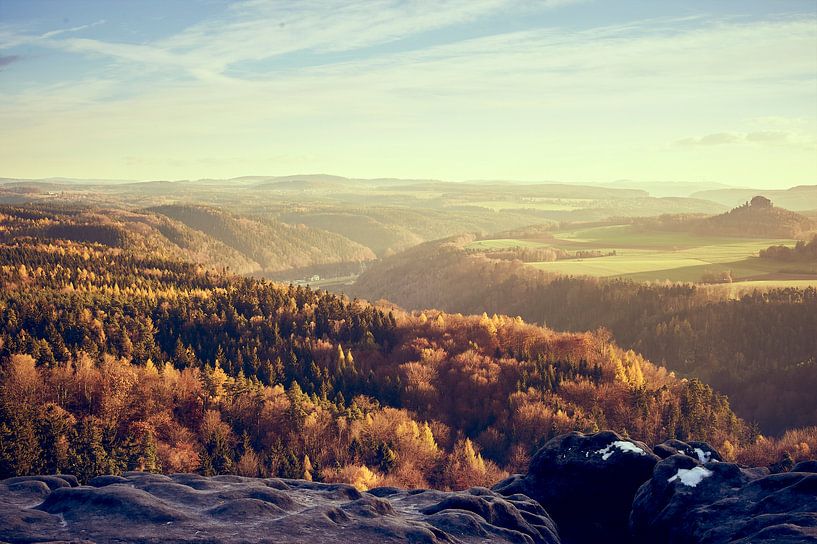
x=758 y=347
x=275 y=246
x=114 y=361
x=199 y=234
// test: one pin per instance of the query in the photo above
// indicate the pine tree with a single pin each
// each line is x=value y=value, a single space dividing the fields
x=386 y=457
x=87 y=457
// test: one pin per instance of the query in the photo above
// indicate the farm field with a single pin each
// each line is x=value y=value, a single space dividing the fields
x=544 y=204
x=664 y=256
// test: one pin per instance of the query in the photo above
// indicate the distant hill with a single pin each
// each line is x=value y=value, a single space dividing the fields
x=273 y=245
x=800 y=198
x=200 y=235
x=667 y=188
x=382 y=237
x=758 y=217
x=389 y=229
x=295 y=185
x=541 y=190
x=140 y=232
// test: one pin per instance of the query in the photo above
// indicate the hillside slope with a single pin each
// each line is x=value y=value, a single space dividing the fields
x=759 y=347
x=135 y=231
x=273 y=245
x=757 y=218
x=201 y=235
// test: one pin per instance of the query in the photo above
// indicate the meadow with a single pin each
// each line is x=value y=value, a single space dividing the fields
x=663 y=256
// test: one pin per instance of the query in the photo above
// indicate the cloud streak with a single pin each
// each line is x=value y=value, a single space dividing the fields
x=775 y=138
x=80 y=28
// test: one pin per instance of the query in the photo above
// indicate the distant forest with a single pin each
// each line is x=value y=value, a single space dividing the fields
x=802 y=251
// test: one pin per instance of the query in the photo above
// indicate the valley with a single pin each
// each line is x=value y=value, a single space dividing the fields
x=628 y=252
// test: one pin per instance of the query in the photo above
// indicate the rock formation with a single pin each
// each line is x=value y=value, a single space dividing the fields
x=687 y=501
x=587 y=483
x=598 y=487
x=143 y=507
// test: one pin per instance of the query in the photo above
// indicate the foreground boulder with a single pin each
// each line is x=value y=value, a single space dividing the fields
x=142 y=507
x=701 y=451
x=587 y=483
x=687 y=502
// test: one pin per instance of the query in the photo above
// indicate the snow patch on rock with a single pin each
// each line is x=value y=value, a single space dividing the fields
x=623 y=446
x=691 y=477
x=703 y=456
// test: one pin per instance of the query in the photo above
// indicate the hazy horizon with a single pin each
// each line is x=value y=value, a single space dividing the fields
x=569 y=90
x=616 y=182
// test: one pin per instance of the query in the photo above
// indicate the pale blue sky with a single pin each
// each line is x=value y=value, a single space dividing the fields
x=572 y=90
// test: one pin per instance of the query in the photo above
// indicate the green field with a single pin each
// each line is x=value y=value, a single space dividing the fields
x=504 y=243
x=545 y=204
x=663 y=255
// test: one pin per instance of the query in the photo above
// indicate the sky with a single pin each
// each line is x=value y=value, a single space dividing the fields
x=562 y=90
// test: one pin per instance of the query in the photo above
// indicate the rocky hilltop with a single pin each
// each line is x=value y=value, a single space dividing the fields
x=579 y=488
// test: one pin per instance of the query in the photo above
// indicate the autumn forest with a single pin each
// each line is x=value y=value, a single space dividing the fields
x=115 y=361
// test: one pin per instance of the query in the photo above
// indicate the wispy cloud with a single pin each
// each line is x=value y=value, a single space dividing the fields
x=8 y=59
x=58 y=32
x=11 y=36
x=776 y=138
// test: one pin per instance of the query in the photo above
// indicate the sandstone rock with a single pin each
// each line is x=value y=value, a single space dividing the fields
x=102 y=481
x=586 y=482
x=701 y=451
x=686 y=501
x=805 y=466
x=53 y=482
x=114 y=502
x=141 y=507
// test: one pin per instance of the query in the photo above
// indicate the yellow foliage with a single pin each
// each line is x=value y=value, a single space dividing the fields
x=635 y=375
x=620 y=372
x=728 y=450
x=487 y=323
x=358 y=475
x=427 y=437
x=150 y=368
x=628 y=369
